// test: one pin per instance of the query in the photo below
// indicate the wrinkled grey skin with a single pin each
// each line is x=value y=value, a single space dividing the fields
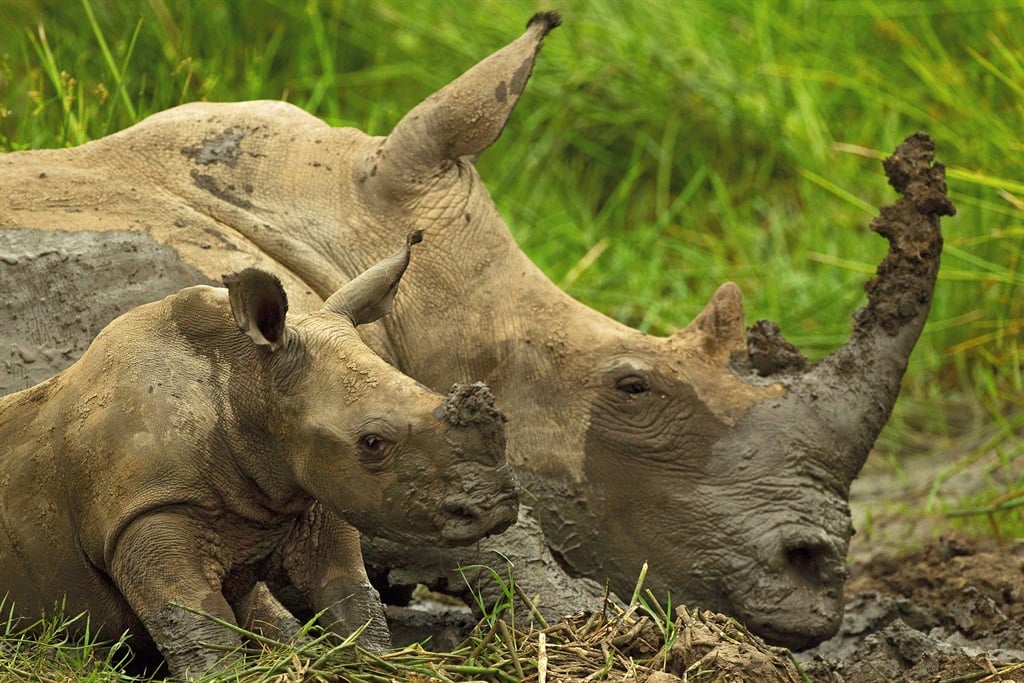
x=201 y=445
x=727 y=468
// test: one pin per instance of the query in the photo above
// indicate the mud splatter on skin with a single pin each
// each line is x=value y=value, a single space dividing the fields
x=221 y=149
x=471 y=404
x=210 y=184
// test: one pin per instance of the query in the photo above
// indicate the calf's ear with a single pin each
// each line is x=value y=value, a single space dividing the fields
x=369 y=296
x=259 y=306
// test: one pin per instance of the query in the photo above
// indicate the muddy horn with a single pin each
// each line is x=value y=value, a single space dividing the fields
x=473 y=406
x=852 y=392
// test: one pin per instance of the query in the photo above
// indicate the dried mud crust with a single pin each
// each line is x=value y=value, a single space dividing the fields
x=904 y=281
x=61 y=288
x=951 y=611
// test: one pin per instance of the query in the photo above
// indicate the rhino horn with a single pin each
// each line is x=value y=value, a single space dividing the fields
x=852 y=391
x=369 y=296
x=464 y=117
x=473 y=405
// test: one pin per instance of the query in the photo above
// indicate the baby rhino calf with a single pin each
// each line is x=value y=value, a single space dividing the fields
x=203 y=446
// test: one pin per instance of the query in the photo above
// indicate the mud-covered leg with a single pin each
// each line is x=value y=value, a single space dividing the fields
x=166 y=581
x=325 y=563
x=259 y=611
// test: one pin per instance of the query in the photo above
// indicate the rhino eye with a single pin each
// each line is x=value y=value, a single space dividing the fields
x=632 y=385
x=373 y=446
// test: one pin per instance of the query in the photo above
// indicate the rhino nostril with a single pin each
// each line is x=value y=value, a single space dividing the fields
x=809 y=562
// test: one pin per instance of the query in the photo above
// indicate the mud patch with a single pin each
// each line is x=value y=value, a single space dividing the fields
x=61 y=288
x=769 y=353
x=224 y=149
x=208 y=183
x=953 y=609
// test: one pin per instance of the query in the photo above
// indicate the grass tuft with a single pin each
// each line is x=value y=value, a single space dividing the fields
x=45 y=651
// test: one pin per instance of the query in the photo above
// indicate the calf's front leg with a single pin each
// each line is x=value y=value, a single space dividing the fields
x=159 y=567
x=324 y=562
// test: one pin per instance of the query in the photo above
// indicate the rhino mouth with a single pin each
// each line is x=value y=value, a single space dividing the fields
x=797 y=630
x=804 y=613
x=462 y=523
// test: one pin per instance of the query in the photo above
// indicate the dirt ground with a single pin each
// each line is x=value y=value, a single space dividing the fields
x=941 y=613
x=925 y=602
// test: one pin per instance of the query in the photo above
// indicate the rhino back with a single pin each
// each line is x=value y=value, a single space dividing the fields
x=61 y=288
x=43 y=557
x=88 y=233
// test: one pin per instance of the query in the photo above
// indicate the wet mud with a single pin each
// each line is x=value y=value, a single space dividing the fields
x=944 y=612
x=61 y=288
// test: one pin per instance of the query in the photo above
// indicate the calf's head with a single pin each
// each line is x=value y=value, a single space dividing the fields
x=389 y=455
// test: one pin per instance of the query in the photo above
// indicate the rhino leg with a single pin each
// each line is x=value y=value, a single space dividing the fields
x=260 y=612
x=175 y=596
x=324 y=562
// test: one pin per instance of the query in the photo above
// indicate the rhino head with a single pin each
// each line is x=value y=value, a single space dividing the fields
x=719 y=457
x=383 y=452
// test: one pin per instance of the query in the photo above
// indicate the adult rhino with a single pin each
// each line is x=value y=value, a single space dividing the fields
x=724 y=464
x=204 y=443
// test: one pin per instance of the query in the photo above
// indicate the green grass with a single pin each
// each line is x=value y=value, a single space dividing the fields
x=45 y=651
x=661 y=148
x=607 y=645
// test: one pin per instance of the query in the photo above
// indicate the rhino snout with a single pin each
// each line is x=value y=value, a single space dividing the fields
x=467 y=516
x=798 y=600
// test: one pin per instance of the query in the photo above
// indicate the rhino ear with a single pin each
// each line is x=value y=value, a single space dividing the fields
x=369 y=296
x=259 y=306
x=718 y=331
x=463 y=118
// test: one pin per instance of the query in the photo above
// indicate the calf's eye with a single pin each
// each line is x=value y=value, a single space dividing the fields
x=373 y=445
